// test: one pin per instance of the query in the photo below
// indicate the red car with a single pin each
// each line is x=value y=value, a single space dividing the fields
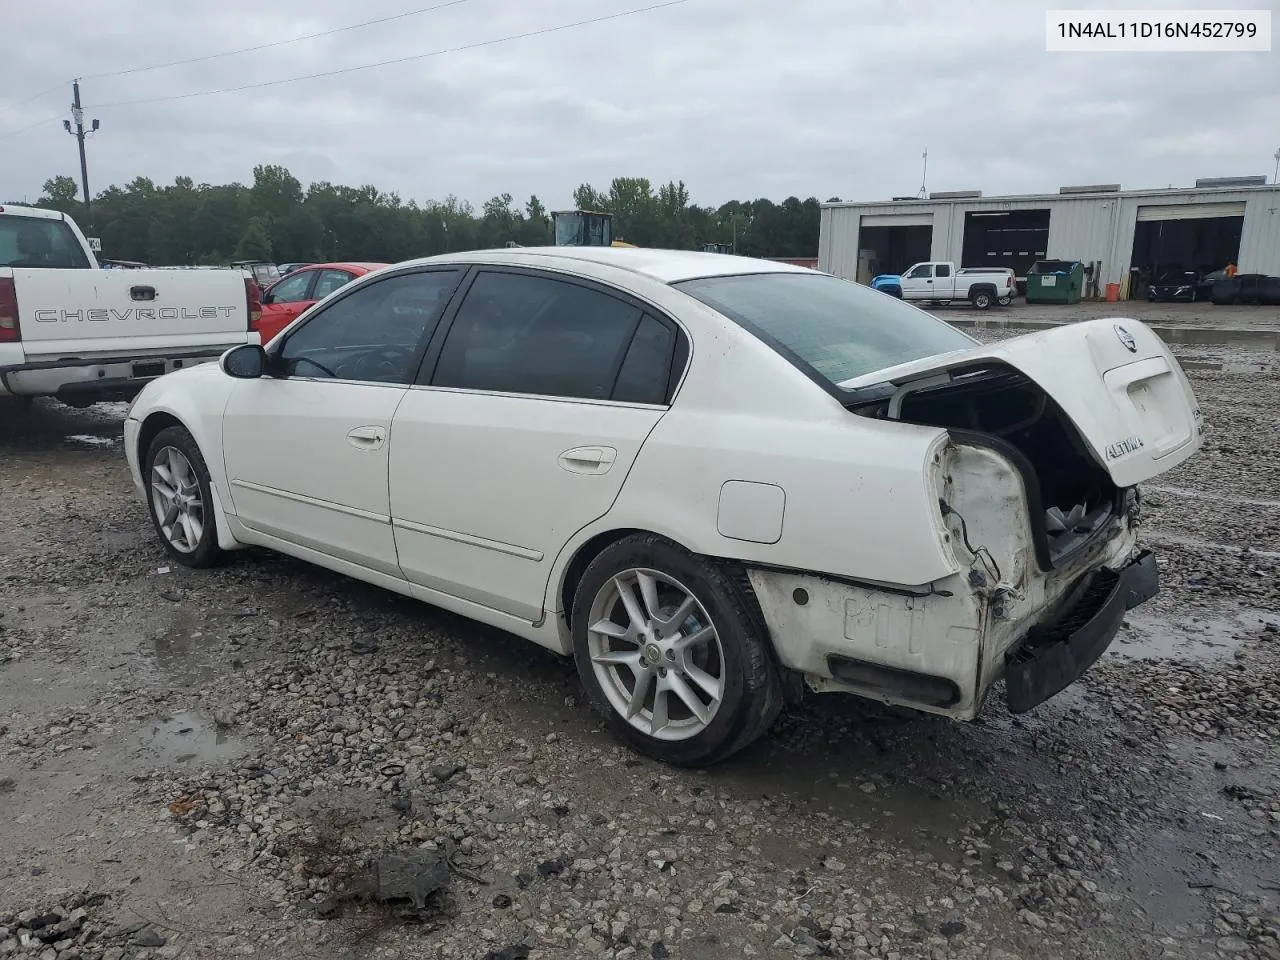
x=285 y=299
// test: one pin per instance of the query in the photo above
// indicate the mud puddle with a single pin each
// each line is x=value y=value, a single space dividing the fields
x=1196 y=543
x=1211 y=496
x=91 y=441
x=1190 y=638
x=1228 y=366
x=187 y=655
x=185 y=737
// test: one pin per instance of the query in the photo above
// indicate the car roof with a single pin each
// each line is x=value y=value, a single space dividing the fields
x=343 y=265
x=20 y=211
x=666 y=266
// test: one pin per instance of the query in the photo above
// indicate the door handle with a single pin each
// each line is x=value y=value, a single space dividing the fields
x=142 y=293
x=589 y=460
x=367 y=438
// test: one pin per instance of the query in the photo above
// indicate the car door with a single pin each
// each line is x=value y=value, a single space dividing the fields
x=305 y=450
x=284 y=302
x=528 y=414
x=917 y=283
x=944 y=283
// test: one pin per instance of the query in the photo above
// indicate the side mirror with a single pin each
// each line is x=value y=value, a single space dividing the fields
x=245 y=362
x=268 y=298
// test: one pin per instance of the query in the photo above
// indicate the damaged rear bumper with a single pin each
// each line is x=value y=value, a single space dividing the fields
x=1056 y=653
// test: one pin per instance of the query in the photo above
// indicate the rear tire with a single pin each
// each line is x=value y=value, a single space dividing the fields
x=180 y=498
x=686 y=628
x=981 y=300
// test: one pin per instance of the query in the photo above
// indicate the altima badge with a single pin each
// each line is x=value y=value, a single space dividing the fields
x=1126 y=338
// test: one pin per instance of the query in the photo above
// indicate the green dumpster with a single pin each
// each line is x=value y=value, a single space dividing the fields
x=1055 y=281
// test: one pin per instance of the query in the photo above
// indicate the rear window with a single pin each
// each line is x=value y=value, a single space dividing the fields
x=834 y=328
x=39 y=242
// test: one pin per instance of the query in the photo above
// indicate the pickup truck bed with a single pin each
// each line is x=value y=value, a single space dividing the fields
x=73 y=331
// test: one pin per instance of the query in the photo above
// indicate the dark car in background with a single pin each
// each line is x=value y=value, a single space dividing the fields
x=1247 y=288
x=1204 y=287
x=1176 y=286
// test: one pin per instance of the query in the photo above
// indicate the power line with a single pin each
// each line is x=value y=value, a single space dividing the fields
x=276 y=43
x=385 y=63
x=38 y=96
x=229 y=53
x=14 y=133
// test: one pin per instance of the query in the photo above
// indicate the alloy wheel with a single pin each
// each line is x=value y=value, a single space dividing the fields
x=176 y=499
x=656 y=654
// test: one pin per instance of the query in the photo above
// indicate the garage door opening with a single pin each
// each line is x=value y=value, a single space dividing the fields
x=1174 y=238
x=1005 y=238
x=896 y=242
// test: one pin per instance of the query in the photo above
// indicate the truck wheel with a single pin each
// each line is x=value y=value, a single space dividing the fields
x=981 y=300
x=672 y=649
x=1005 y=301
x=179 y=498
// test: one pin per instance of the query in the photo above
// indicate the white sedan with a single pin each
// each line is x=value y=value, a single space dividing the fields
x=714 y=481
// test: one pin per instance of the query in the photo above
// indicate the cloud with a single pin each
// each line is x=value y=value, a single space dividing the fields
x=739 y=98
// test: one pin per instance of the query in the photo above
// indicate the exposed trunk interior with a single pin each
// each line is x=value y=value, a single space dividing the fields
x=1076 y=495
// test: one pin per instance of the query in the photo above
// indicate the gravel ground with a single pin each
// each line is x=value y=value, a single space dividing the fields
x=227 y=763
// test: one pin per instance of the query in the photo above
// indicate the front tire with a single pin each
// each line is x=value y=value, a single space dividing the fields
x=1005 y=301
x=672 y=648
x=180 y=499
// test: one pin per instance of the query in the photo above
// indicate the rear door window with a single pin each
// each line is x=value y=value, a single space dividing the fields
x=524 y=333
x=39 y=242
x=329 y=281
x=646 y=370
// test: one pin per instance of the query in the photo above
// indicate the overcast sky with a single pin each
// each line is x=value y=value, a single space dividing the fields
x=739 y=98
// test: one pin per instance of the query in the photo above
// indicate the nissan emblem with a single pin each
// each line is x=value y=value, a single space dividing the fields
x=1127 y=339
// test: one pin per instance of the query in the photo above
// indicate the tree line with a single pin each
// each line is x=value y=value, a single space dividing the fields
x=275 y=218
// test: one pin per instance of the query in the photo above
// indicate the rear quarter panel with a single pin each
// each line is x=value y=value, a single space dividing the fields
x=857 y=493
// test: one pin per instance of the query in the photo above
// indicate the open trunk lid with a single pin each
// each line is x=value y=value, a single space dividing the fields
x=1114 y=378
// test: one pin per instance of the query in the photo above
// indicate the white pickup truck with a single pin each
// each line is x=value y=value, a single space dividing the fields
x=81 y=334
x=938 y=281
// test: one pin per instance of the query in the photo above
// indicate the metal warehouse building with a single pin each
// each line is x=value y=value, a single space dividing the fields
x=1219 y=221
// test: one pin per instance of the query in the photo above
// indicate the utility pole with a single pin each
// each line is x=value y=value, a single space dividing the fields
x=924 y=176
x=77 y=114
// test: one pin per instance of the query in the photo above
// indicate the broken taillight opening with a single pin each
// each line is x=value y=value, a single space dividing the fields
x=10 y=331
x=253 y=300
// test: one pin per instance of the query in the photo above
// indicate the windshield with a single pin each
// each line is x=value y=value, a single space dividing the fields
x=835 y=328
x=568 y=230
x=581 y=229
x=39 y=242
